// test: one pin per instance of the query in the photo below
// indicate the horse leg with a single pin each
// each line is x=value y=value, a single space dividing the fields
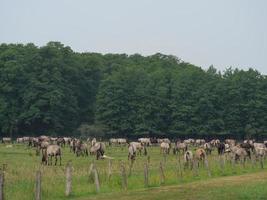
x=97 y=155
x=55 y=159
x=51 y=160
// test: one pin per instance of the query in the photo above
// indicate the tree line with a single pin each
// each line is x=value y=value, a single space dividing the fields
x=55 y=91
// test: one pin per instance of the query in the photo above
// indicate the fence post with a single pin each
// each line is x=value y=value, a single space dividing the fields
x=124 y=177
x=179 y=165
x=261 y=162
x=207 y=166
x=221 y=163
x=162 y=176
x=164 y=157
x=2 y=184
x=109 y=169
x=233 y=164
x=131 y=167
x=96 y=177
x=4 y=167
x=38 y=186
x=146 y=174
x=68 y=180
x=253 y=161
x=90 y=173
x=195 y=167
x=145 y=150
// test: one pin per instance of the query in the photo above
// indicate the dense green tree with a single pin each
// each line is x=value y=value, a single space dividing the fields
x=56 y=91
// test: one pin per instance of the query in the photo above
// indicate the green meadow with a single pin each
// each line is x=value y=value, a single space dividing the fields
x=221 y=179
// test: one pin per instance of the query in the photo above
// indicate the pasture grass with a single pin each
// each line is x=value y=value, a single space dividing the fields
x=22 y=164
x=242 y=187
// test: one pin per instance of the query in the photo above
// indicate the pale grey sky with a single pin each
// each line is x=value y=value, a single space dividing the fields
x=204 y=32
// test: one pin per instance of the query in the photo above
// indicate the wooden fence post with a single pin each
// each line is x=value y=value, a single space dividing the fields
x=109 y=169
x=145 y=150
x=243 y=162
x=90 y=173
x=162 y=176
x=233 y=164
x=146 y=174
x=179 y=165
x=221 y=163
x=68 y=180
x=2 y=184
x=253 y=161
x=38 y=187
x=148 y=159
x=124 y=177
x=4 y=167
x=261 y=162
x=195 y=167
x=96 y=177
x=164 y=157
x=206 y=162
x=131 y=167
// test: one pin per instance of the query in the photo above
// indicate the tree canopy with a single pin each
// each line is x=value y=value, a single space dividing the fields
x=55 y=91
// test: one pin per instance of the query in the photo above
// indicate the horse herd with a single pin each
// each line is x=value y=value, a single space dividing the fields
x=234 y=150
x=50 y=147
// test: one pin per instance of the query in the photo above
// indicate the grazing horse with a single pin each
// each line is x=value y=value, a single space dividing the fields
x=214 y=142
x=188 y=159
x=259 y=145
x=81 y=149
x=93 y=142
x=231 y=142
x=239 y=154
x=153 y=141
x=98 y=149
x=248 y=148
x=145 y=141
x=200 y=155
x=260 y=152
x=180 y=146
x=189 y=141
x=19 y=140
x=122 y=141
x=41 y=146
x=61 y=142
x=51 y=151
x=112 y=141
x=221 y=148
x=72 y=145
x=138 y=146
x=131 y=152
x=199 y=142
x=208 y=148
x=165 y=148
x=67 y=140
x=6 y=140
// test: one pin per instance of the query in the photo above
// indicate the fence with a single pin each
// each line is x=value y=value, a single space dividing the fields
x=125 y=172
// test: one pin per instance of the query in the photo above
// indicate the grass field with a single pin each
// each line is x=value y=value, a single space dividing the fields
x=244 y=187
x=230 y=182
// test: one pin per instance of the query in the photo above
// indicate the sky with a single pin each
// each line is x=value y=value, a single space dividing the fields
x=208 y=32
